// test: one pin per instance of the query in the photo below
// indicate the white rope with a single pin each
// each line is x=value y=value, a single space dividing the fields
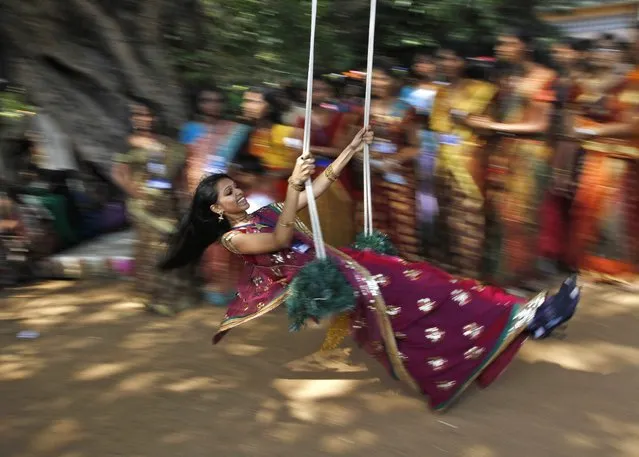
x=368 y=198
x=318 y=239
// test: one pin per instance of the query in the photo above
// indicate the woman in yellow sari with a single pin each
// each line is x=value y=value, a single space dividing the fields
x=605 y=214
x=460 y=165
x=272 y=142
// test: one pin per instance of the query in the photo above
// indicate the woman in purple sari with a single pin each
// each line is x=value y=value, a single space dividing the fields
x=435 y=332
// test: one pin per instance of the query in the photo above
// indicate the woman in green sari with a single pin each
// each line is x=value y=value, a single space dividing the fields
x=148 y=174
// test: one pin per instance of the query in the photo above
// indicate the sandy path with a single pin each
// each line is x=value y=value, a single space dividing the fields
x=105 y=379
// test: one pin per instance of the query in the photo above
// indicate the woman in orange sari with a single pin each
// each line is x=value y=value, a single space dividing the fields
x=605 y=214
x=519 y=167
x=555 y=214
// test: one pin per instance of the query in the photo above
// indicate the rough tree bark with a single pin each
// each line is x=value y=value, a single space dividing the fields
x=84 y=61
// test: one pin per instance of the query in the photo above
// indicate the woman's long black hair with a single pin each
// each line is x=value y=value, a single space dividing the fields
x=199 y=228
x=536 y=51
x=390 y=67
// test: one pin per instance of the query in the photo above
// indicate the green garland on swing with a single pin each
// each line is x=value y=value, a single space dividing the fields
x=318 y=291
x=377 y=242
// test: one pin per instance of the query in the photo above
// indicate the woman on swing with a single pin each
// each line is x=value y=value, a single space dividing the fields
x=436 y=332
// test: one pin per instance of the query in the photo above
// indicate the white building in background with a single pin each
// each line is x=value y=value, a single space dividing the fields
x=591 y=19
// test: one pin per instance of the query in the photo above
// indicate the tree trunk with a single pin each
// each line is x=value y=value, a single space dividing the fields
x=84 y=61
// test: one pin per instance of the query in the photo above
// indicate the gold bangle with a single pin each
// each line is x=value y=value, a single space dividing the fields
x=295 y=185
x=330 y=174
x=286 y=224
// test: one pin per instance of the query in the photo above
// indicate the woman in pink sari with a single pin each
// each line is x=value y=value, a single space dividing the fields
x=429 y=329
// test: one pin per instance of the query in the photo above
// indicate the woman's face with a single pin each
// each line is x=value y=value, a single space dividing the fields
x=230 y=198
x=450 y=64
x=141 y=118
x=424 y=67
x=510 y=49
x=322 y=92
x=383 y=84
x=254 y=106
x=211 y=103
x=564 y=55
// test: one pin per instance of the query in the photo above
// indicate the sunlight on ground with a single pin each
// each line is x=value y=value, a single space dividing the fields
x=49 y=286
x=178 y=437
x=102 y=371
x=348 y=442
x=608 y=303
x=581 y=441
x=104 y=316
x=47 y=311
x=479 y=451
x=141 y=340
x=594 y=356
x=140 y=382
x=626 y=434
x=316 y=389
x=14 y=367
x=59 y=434
x=198 y=383
x=390 y=402
x=243 y=350
x=307 y=399
x=125 y=306
x=133 y=385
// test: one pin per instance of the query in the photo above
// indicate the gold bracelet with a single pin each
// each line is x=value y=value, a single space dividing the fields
x=286 y=224
x=330 y=174
x=295 y=185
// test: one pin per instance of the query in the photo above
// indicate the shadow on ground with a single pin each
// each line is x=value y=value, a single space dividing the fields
x=105 y=379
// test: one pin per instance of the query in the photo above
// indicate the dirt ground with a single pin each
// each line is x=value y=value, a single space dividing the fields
x=106 y=379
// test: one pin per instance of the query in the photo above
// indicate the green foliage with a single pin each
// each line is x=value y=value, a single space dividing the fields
x=377 y=241
x=318 y=291
x=13 y=104
x=256 y=41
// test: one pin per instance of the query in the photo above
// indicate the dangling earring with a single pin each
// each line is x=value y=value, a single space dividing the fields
x=221 y=218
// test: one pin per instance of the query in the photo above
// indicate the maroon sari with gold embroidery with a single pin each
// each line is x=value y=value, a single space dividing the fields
x=437 y=333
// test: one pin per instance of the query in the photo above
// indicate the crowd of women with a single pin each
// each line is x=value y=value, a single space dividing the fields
x=487 y=174
x=497 y=169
